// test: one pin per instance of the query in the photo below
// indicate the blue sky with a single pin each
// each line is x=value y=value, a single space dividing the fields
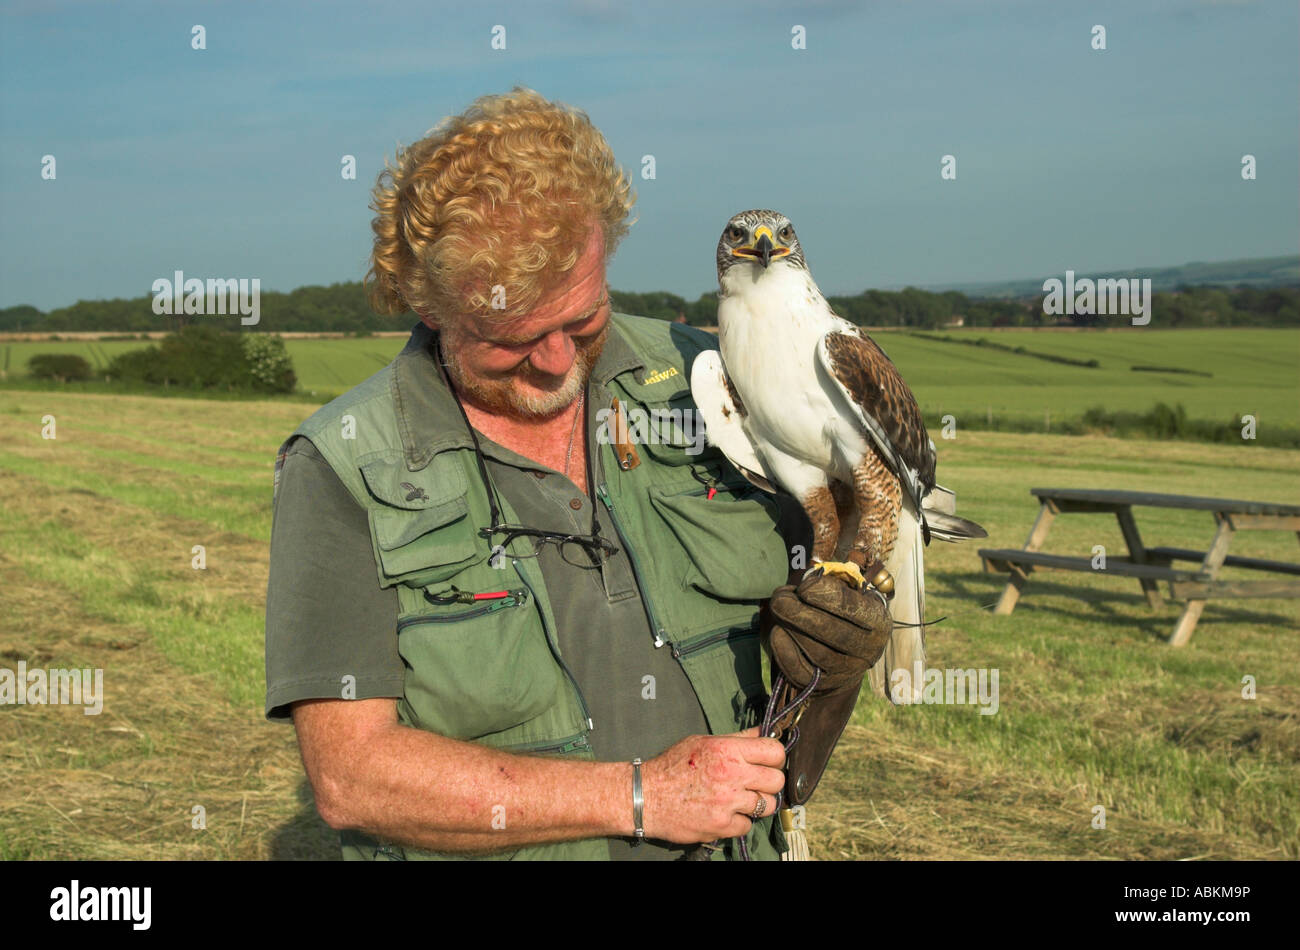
x=225 y=162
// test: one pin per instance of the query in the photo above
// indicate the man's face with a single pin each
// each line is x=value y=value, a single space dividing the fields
x=537 y=365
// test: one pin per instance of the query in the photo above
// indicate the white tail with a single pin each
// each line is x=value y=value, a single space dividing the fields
x=906 y=647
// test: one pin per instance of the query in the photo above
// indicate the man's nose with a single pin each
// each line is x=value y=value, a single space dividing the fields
x=554 y=355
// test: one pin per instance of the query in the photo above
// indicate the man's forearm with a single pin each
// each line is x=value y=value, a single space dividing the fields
x=416 y=788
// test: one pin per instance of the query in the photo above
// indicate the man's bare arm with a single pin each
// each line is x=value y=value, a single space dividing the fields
x=401 y=784
x=407 y=785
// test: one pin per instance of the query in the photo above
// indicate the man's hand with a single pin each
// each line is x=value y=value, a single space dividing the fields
x=825 y=623
x=706 y=787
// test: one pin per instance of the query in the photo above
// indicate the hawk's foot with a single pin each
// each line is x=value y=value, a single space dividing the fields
x=845 y=569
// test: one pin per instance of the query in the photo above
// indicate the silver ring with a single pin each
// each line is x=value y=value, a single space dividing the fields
x=759 y=808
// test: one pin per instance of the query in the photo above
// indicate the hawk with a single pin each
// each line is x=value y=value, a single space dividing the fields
x=802 y=399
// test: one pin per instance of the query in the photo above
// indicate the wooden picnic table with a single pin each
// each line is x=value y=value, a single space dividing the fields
x=1194 y=586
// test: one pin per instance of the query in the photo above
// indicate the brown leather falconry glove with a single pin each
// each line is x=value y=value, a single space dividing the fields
x=822 y=624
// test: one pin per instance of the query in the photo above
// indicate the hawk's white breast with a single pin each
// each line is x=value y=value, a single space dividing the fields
x=769 y=324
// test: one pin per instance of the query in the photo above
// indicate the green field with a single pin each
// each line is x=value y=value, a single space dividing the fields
x=330 y=367
x=96 y=534
x=1254 y=371
x=326 y=367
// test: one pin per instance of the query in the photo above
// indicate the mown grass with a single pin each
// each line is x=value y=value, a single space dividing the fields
x=97 y=529
x=96 y=532
x=1095 y=709
x=129 y=783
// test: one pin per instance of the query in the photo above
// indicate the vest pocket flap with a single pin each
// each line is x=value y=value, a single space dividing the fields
x=433 y=487
x=396 y=529
x=418 y=548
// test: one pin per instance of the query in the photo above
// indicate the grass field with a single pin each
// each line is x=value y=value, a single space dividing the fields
x=325 y=366
x=1255 y=371
x=96 y=533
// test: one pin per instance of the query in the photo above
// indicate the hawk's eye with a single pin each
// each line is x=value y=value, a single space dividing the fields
x=786 y=233
x=735 y=233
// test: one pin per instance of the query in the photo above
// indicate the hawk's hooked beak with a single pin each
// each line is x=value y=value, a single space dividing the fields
x=763 y=248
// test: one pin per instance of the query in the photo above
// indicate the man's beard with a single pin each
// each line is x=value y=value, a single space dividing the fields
x=501 y=395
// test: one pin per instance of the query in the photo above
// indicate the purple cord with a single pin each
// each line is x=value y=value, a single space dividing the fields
x=771 y=717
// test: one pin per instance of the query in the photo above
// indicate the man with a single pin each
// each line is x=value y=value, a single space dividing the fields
x=493 y=636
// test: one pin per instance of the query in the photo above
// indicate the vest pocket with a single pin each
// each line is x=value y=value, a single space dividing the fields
x=421 y=528
x=424 y=547
x=483 y=669
x=733 y=548
x=715 y=662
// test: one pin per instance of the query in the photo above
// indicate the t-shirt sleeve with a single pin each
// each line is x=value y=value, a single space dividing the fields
x=327 y=618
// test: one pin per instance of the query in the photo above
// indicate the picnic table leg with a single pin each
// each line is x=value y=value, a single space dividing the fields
x=1016 y=580
x=1213 y=561
x=1138 y=553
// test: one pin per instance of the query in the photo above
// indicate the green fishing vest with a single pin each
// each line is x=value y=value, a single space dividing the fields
x=492 y=673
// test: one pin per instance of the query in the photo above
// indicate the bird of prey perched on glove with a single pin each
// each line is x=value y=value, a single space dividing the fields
x=803 y=399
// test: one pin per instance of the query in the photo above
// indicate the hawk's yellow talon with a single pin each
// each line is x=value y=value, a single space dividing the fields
x=846 y=569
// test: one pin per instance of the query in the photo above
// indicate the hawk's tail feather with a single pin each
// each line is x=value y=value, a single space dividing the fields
x=906 y=647
x=948 y=527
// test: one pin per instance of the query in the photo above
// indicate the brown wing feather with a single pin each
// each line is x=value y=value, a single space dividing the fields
x=873 y=381
x=735 y=396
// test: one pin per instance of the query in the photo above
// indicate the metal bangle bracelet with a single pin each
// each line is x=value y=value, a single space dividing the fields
x=638 y=801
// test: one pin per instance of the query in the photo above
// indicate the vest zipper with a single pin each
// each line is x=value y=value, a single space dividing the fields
x=655 y=627
x=710 y=639
x=716 y=483
x=555 y=651
x=514 y=599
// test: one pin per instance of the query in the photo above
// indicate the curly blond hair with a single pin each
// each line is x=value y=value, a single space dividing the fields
x=504 y=194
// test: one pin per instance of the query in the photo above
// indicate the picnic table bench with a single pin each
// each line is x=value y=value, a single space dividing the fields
x=1194 y=585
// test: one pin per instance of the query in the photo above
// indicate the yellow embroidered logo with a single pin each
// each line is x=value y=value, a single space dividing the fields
x=660 y=376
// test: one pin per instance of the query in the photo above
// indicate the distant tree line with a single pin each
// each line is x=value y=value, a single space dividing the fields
x=194 y=357
x=342 y=308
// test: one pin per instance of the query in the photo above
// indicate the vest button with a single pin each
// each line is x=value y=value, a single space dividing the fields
x=540 y=474
x=575 y=504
